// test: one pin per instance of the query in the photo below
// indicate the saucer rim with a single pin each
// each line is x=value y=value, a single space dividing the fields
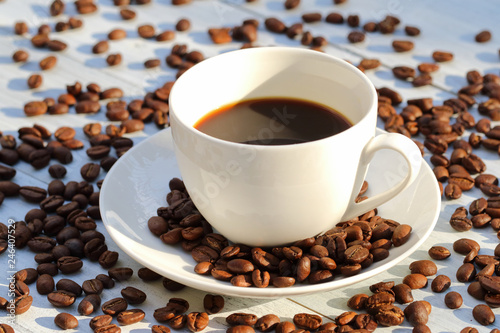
x=224 y=287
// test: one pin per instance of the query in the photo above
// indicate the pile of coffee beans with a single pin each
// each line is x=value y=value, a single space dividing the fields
x=342 y=251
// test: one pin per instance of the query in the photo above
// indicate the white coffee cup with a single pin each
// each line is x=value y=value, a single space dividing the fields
x=273 y=195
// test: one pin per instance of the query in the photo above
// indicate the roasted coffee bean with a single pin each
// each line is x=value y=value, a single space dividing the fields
x=475 y=290
x=267 y=323
x=357 y=302
x=69 y=285
x=401 y=234
x=453 y=300
x=107 y=282
x=111 y=328
x=108 y=259
x=403 y=293
x=356 y=37
x=114 y=59
x=90 y=171
x=34 y=81
x=133 y=295
x=415 y=281
x=440 y=283
x=22 y=304
x=114 y=306
x=483 y=314
x=490 y=283
x=241 y=319
x=307 y=321
x=94 y=248
x=442 y=56
x=213 y=303
x=20 y=56
x=389 y=315
x=465 y=245
x=100 y=321
x=33 y=193
x=466 y=272
x=45 y=284
x=26 y=275
x=69 y=264
x=416 y=313
x=66 y=321
x=147 y=274
x=129 y=317
x=60 y=251
x=41 y=244
x=120 y=273
x=402 y=45
x=274 y=25
x=424 y=267
x=285 y=327
x=197 y=321
x=47 y=268
x=439 y=253
x=61 y=298
x=93 y=286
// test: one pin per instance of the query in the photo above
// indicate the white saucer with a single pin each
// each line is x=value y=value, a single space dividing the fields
x=138 y=183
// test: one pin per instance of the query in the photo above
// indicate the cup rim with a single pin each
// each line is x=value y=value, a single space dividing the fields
x=209 y=61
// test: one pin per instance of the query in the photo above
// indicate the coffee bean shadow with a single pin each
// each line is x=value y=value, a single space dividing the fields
x=100 y=36
x=154 y=82
x=166 y=26
x=40 y=11
x=200 y=37
x=5 y=31
x=423 y=58
x=489 y=57
x=325 y=3
x=162 y=53
x=114 y=17
x=388 y=76
x=13 y=112
x=23 y=42
x=380 y=48
x=45 y=322
x=53 y=92
x=85 y=48
x=337 y=40
x=6 y=60
x=455 y=82
x=138 y=66
x=277 y=6
x=469 y=38
x=18 y=84
x=96 y=62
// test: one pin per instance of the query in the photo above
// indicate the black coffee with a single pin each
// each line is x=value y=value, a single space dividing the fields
x=272 y=121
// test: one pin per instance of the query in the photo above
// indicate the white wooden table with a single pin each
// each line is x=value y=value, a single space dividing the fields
x=445 y=25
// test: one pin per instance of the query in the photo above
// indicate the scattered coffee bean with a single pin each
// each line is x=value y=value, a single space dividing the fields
x=66 y=321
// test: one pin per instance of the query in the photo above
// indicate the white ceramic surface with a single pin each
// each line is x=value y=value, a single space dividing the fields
x=243 y=189
x=138 y=183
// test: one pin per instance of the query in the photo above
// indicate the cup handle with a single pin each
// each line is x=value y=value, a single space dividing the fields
x=401 y=144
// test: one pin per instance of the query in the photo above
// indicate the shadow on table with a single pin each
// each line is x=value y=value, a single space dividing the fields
x=388 y=76
x=489 y=57
x=200 y=37
x=46 y=322
x=115 y=17
x=275 y=6
x=381 y=48
x=85 y=48
x=18 y=84
x=96 y=63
